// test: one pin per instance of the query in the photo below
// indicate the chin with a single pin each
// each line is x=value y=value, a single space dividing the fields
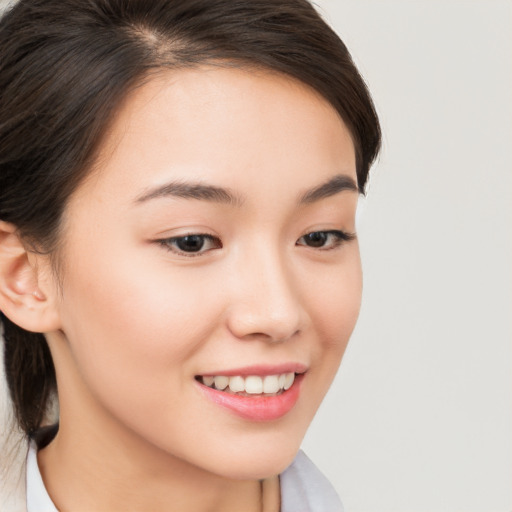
x=257 y=460
x=259 y=450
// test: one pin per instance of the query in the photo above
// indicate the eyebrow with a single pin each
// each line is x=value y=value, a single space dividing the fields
x=201 y=191
x=335 y=185
x=187 y=190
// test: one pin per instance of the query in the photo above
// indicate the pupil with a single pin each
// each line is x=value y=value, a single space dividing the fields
x=316 y=239
x=192 y=243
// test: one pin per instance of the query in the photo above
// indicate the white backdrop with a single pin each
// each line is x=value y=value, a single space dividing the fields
x=420 y=416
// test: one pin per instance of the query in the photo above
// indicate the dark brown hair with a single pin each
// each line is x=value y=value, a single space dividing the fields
x=65 y=66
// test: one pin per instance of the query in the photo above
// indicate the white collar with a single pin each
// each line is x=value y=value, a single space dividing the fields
x=38 y=499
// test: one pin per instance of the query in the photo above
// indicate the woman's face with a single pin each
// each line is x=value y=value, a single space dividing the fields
x=211 y=243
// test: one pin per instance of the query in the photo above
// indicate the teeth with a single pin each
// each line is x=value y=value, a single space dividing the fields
x=236 y=384
x=221 y=382
x=288 y=381
x=252 y=385
x=271 y=384
x=208 y=381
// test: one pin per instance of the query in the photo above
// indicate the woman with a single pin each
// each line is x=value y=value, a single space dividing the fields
x=178 y=257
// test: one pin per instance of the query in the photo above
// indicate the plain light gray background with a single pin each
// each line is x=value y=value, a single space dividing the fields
x=420 y=416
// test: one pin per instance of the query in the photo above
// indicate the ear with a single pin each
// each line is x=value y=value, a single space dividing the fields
x=27 y=296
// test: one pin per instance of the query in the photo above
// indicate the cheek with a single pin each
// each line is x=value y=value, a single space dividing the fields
x=337 y=300
x=335 y=307
x=133 y=328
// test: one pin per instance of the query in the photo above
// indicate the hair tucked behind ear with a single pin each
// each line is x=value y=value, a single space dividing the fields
x=65 y=66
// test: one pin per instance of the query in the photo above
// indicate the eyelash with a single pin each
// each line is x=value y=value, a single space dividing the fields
x=337 y=238
x=170 y=244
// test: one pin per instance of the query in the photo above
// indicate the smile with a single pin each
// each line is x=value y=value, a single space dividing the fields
x=268 y=385
x=253 y=397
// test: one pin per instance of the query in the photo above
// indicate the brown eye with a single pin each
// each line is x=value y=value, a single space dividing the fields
x=192 y=245
x=325 y=239
x=315 y=239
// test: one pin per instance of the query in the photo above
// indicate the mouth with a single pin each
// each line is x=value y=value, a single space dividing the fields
x=254 y=396
x=252 y=385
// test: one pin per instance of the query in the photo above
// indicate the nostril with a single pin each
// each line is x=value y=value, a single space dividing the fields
x=274 y=338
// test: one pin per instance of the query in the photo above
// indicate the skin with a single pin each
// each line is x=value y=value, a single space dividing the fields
x=136 y=320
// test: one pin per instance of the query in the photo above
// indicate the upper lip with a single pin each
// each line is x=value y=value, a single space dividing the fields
x=260 y=369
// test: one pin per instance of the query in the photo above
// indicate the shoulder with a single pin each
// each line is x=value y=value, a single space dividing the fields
x=305 y=489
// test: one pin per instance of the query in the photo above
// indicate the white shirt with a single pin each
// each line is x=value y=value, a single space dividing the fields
x=38 y=499
x=303 y=488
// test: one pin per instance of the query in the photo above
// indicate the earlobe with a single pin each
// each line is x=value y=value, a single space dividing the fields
x=21 y=298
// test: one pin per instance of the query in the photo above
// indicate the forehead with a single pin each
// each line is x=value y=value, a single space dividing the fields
x=231 y=126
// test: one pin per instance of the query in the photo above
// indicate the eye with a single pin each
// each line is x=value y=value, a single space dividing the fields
x=325 y=239
x=191 y=245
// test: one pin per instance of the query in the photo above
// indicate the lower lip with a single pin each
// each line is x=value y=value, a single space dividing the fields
x=257 y=408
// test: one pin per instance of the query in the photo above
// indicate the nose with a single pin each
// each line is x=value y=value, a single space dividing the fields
x=265 y=300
